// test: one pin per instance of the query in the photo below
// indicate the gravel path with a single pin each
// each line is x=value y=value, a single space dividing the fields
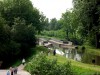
x=20 y=71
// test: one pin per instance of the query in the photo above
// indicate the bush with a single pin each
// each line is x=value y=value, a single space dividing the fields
x=76 y=41
x=40 y=65
x=83 y=49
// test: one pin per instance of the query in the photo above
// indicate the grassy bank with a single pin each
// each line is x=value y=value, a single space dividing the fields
x=80 y=68
x=90 y=50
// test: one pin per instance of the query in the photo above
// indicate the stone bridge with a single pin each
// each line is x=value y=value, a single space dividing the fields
x=55 y=43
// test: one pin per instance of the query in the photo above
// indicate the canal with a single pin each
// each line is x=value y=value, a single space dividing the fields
x=69 y=51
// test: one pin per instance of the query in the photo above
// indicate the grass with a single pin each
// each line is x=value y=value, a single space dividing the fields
x=94 y=51
x=91 y=50
x=48 y=37
x=78 y=67
x=81 y=68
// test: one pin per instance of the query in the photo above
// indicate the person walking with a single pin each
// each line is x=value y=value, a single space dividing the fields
x=15 y=70
x=54 y=52
x=8 y=72
x=11 y=70
x=23 y=61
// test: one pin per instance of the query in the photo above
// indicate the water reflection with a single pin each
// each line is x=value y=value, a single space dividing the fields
x=70 y=53
x=75 y=54
x=58 y=51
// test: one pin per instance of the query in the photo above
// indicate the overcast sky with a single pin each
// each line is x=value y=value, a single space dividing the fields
x=52 y=8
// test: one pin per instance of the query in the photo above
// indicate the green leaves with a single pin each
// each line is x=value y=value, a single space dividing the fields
x=40 y=65
x=88 y=15
x=24 y=35
x=20 y=8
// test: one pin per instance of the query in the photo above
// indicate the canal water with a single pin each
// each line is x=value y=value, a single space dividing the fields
x=70 y=53
x=75 y=54
x=79 y=56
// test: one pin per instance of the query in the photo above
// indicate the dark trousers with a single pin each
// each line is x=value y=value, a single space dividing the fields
x=23 y=63
x=12 y=73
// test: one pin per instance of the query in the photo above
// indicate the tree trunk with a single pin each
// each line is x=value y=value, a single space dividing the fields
x=97 y=40
x=67 y=34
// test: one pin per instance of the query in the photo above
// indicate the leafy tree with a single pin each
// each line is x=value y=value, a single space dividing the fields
x=69 y=25
x=20 y=8
x=24 y=35
x=4 y=31
x=3 y=35
x=43 y=22
x=89 y=16
x=8 y=48
x=54 y=24
x=17 y=35
x=66 y=23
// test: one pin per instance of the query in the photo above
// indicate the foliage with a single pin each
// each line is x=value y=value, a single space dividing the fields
x=40 y=65
x=91 y=54
x=88 y=57
x=78 y=67
x=20 y=8
x=9 y=49
x=54 y=24
x=80 y=23
x=44 y=22
x=76 y=41
x=58 y=33
x=66 y=28
x=15 y=42
x=88 y=14
x=24 y=35
x=71 y=27
x=19 y=22
x=41 y=48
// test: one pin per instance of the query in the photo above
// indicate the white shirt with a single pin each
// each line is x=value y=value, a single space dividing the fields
x=23 y=61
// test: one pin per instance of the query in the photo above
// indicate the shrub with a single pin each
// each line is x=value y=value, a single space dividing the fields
x=40 y=65
x=83 y=49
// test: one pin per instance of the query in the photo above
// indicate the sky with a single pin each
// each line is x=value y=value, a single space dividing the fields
x=52 y=8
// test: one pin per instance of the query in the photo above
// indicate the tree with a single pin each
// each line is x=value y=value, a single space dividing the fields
x=20 y=8
x=17 y=35
x=43 y=22
x=89 y=16
x=66 y=23
x=24 y=35
x=8 y=48
x=54 y=24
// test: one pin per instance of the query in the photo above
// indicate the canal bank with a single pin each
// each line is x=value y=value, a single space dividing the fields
x=79 y=67
x=70 y=51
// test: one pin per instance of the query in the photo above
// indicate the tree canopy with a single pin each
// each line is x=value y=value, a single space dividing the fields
x=20 y=8
x=88 y=14
x=19 y=23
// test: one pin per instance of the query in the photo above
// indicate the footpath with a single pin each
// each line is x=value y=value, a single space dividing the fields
x=21 y=71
